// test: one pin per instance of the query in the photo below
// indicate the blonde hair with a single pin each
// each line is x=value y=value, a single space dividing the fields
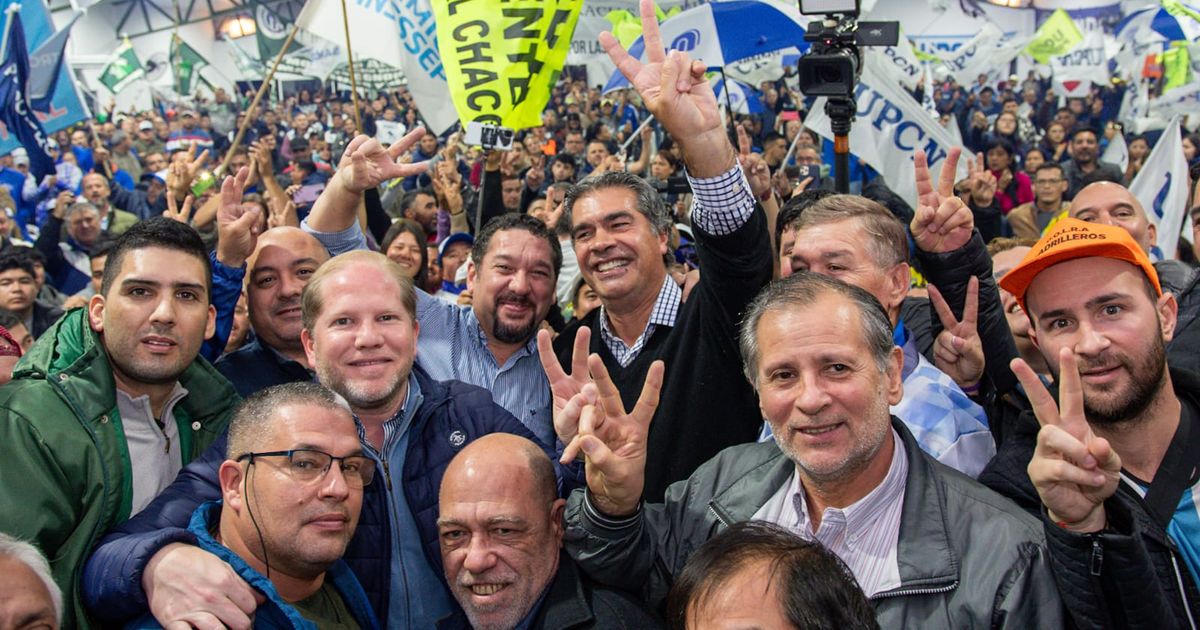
x=312 y=300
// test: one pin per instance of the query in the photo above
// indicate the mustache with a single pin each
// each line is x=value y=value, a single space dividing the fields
x=509 y=297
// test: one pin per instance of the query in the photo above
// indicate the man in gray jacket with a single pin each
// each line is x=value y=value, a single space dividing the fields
x=929 y=546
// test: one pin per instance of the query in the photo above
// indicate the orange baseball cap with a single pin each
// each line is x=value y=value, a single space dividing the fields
x=1069 y=239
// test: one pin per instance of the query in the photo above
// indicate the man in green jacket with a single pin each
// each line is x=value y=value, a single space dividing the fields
x=111 y=402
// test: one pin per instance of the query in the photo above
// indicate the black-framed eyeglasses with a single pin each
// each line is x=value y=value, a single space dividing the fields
x=308 y=465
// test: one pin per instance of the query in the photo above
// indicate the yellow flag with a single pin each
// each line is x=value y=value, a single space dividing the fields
x=1056 y=37
x=502 y=56
x=625 y=27
x=1177 y=69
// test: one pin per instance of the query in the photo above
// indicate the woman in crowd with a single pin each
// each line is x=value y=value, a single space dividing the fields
x=403 y=244
x=1013 y=187
x=1054 y=143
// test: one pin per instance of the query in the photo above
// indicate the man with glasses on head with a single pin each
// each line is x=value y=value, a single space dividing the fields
x=286 y=512
x=1030 y=220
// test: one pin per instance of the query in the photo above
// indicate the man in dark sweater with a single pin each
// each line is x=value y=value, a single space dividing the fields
x=619 y=229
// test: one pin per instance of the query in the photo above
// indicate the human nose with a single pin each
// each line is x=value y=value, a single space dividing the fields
x=812 y=397
x=1090 y=341
x=164 y=311
x=334 y=485
x=480 y=557
x=290 y=285
x=368 y=335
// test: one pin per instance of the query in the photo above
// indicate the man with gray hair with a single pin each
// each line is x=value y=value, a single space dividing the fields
x=923 y=542
x=619 y=231
x=29 y=598
x=68 y=262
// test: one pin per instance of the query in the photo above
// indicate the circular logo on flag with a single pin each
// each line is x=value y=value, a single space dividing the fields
x=685 y=41
x=269 y=23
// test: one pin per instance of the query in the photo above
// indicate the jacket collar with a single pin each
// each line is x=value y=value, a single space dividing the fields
x=565 y=604
x=71 y=355
x=924 y=553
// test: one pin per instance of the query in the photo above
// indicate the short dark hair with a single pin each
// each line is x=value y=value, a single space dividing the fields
x=1051 y=166
x=649 y=202
x=9 y=319
x=816 y=589
x=795 y=206
x=1078 y=129
x=156 y=232
x=409 y=199
x=772 y=137
x=16 y=260
x=249 y=425
x=516 y=221
x=999 y=143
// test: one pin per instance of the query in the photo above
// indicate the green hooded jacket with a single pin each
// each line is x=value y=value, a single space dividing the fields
x=64 y=462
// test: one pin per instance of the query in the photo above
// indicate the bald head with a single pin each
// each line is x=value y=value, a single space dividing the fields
x=1112 y=204
x=289 y=238
x=503 y=453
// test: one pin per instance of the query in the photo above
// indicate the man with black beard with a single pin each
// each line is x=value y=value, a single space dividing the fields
x=1085 y=161
x=1116 y=460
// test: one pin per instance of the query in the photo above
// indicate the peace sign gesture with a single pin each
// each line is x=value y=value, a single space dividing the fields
x=674 y=89
x=366 y=164
x=564 y=386
x=1072 y=468
x=942 y=222
x=613 y=442
x=181 y=214
x=958 y=350
x=983 y=183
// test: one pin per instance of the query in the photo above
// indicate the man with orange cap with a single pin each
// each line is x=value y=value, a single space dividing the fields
x=1117 y=457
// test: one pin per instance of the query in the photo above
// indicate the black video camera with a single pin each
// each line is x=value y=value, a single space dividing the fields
x=833 y=64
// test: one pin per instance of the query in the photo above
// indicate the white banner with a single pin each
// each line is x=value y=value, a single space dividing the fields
x=585 y=44
x=987 y=53
x=889 y=127
x=1162 y=188
x=903 y=63
x=1086 y=65
x=400 y=33
x=1117 y=152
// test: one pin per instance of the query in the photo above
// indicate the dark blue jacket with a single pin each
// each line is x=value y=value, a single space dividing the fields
x=452 y=415
x=275 y=612
x=255 y=367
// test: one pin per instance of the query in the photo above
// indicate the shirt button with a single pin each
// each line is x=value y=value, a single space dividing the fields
x=104 y=419
x=196 y=426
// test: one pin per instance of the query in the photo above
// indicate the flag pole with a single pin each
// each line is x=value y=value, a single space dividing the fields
x=237 y=140
x=350 y=66
x=8 y=13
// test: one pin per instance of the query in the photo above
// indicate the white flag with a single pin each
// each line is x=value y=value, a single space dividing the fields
x=890 y=126
x=903 y=63
x=1086 y=65
x=1162 y=188
x=1117 y=152
x=400 y=34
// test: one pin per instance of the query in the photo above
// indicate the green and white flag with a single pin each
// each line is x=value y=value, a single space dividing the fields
x=271 y=32
x=123 y=69
x=185 y=64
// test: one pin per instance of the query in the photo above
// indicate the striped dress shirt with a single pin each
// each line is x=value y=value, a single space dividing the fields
x=863 y=534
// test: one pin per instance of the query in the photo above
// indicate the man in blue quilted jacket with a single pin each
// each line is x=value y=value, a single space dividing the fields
x=360 y=336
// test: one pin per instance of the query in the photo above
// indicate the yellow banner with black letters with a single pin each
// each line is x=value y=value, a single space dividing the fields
x=502 y=56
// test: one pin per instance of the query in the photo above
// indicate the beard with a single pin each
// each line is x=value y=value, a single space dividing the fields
x=870 y=436
x=366 y=394
x=1146 y=379
x=518 y=332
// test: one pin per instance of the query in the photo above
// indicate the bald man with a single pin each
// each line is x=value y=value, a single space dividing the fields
x=276 y=273
x=1113 y=204
x=500 y=530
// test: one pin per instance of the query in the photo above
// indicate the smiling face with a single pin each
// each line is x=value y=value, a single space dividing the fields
x=619 y=253
x=283 y=262
x=821 y=390
x=364 y=340
x=154 y=317
x=499 y=530
x=513 y=286
x=840 y=250
x=405 y=251
x=1101 y=309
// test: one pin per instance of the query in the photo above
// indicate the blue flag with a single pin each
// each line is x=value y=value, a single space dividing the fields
x=15 y=111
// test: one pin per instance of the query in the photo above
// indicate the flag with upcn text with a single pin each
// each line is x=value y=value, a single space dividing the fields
x=503 y=56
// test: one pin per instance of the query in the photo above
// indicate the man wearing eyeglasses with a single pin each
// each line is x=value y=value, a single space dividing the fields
x=1030 y=220
x=291 y=492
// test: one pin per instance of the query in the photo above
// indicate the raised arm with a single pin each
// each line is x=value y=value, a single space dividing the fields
x=365 y=164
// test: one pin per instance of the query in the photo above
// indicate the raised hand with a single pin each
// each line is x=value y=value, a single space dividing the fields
x=958 y=350
x=983 y=183
x=181 y=214
x=366 y=164
x=942 y=222
x=564 y=386
x=238 y=224
x=757 y=173
x=673 y=87
x=612 y=440
x=1073 y=469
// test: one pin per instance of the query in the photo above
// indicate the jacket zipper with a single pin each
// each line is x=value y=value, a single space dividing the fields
x=1182 y=592
x=722 y=516
x=391 y=501
x=917 y=591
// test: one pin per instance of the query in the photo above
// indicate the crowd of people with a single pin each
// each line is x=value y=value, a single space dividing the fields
x=623 y=375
